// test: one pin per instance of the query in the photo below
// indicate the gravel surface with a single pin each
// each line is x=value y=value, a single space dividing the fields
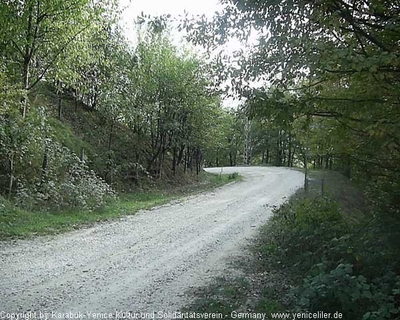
x=146 y=262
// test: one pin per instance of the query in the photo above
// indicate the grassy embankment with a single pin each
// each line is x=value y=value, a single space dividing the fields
x=19 y=223
x=318 y=252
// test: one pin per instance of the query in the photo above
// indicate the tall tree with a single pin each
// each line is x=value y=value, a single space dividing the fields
x=338 y=59
x=37 y=34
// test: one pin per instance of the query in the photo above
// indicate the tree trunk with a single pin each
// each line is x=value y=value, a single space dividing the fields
x=289 y=159
x=110 y=139
x=174 y=161
x=293 y=154
x=290 y=154
x=190 y=159
x=82 y=157
x=153 y=159
x=76 y=99
x=59 y=98
x=24 y=102
x=278 y=153
x=27 y=58
x=306 y=172
x=247 y=142
x=45 y=162
x=180 y=155
x=11 y=182
x=186 y=163
x=161 y=165
x=197 y=161
x=59 y=106
x=347 y=165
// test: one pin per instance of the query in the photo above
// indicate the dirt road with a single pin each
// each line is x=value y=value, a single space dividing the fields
x=146 y=262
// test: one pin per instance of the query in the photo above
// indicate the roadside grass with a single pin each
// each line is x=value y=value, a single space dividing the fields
x=340 y=189
x=276 y=262
x=222 y=296
x=19 y=223
x=258 y=289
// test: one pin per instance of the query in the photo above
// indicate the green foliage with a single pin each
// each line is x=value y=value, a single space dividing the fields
x=338 y=265
x=82 y=112
x=222 y=296
x=173 y=91
x=35 y=33
x=328 y=93
x=65 y=182
x=327 y=72
x=233 y=176
x=301 y=232
x=225 y=136
x=21 y=142
x=20 y=223
x=353 y=295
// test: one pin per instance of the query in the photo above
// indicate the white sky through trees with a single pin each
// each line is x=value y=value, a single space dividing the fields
x=133 y=8
x=174 y=7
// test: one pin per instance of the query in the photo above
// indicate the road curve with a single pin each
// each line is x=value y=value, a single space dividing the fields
x=145 y=262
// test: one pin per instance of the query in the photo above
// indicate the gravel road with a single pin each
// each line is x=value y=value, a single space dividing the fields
x=145 y=262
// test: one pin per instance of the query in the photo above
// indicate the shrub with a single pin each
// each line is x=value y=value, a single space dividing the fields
x=233 y=176
x=300 y=232
x=68 y=183
x=339 y=266
x=352 y=295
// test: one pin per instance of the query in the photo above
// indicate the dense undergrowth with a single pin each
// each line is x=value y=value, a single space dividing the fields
x=331 y=253
x=337 y=264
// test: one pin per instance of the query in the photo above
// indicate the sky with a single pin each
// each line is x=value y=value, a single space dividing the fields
x=174 y=7
x=133 y=8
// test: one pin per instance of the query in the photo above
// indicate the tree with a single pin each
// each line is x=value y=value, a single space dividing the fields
x=340 y=62
x=37 y=41
x=171 y=99
x=37 y=35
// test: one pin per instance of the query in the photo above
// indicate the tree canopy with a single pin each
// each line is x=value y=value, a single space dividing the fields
x=84 y=112
x=335 y=63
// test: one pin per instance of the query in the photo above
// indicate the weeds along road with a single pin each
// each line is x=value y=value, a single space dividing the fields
x=146 y=262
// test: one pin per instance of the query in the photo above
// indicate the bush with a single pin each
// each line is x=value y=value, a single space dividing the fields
x=339 y=266
x=340 y=290
x=68 y=183
x=300 y=232
x=233 y=176
x=81 y=189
